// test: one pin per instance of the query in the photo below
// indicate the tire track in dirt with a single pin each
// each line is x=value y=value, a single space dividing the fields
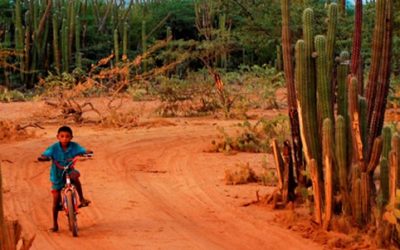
x=150 y=189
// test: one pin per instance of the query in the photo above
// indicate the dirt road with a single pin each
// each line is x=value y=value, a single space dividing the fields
x=151 y=188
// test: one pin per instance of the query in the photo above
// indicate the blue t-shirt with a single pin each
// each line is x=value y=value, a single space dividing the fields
x=58 y=154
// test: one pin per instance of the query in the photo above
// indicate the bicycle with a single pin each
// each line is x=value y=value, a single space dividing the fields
x=69 y=196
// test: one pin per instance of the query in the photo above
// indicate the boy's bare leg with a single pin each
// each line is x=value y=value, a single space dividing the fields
x=78 y=186
x=56 y=204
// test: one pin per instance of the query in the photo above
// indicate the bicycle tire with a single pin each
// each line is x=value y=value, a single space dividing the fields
x=73 y=225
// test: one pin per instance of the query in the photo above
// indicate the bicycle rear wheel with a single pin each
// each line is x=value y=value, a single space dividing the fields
x=73 y=225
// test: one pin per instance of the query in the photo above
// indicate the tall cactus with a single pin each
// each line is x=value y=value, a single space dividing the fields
x=125 y=42
x=377 y=44
x=384 y=165
x=356 y=67
x=341 y=161
x=316 y=190
x=116 y=46
x=308 y=36
x=324 y=88
x=56 y=46
x=394 y=162
x=64 y=45
x=356 y=195
x=19 y=33
x=306 y=105
x=78 y=54
x=290 y=86
x=377 y=106
x=328 y=159
x=309 y=99
x=387 y=140
x=342 y=72
x=358 y=151
x=331 y=39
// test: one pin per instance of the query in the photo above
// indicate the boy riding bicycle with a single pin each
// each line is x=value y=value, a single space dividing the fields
x=61 y=153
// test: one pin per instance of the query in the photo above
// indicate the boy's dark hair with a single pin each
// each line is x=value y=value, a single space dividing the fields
x=65 y=129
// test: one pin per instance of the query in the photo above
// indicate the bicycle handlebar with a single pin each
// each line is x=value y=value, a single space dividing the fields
x=46 y=158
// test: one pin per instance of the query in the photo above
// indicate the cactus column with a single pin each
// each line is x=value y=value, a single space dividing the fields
x=290 y=85
x=356 y=67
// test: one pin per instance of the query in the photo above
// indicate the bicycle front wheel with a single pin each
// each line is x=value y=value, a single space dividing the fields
x=73 y=225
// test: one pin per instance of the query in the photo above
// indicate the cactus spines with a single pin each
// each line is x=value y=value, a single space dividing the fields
x=306 y=106
x=384 y=165
x=394 y=161
x=387 y=141
x=308 y=35
x=342 y=72
x=341 y=160
x=363 y=108
x=356 y=68
x=356 y=195
x=375 y=155
x=327 y=142
x=331 y=38
x=323 y=86
x=291 y=90
x=355 y=122
x=378 y=104
x=287 y=55
x=377 y=44
x=316 y=191
x=365 y=194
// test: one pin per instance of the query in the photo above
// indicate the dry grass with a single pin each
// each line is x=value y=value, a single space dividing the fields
x=244 y=175
x=13 y=131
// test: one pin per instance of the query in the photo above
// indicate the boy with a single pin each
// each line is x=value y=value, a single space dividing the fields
x=61 y=153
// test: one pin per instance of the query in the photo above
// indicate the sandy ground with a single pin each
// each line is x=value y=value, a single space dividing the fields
x=151 y=187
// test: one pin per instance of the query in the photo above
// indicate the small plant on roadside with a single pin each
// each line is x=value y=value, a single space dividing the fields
x=181 y=98
x=268 y=177
x=244 y=175
x=7 y=95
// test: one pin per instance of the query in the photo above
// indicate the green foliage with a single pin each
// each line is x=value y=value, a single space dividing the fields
x=59 y=85
x=184 y=98
x=255 y=137
x=7 y=95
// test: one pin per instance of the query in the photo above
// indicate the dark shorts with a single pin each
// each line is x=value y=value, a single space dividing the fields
x=74 y=175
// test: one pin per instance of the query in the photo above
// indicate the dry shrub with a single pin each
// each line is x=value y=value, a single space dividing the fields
x=253 y=137
x=12 y=131
x=120 y=120
x=243 y=176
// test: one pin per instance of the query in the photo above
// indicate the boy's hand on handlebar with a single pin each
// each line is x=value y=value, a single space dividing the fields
x=88 y=153
x=43 y=158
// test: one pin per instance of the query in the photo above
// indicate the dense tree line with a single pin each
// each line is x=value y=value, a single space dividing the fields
x=62 y=35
